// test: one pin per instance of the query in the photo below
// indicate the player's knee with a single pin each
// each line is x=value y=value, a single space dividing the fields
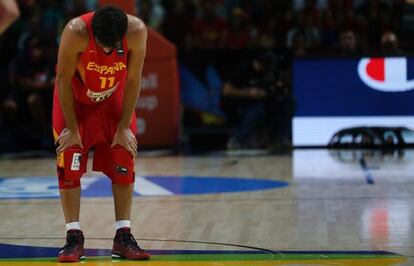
x=71 y=165
x=65 y=182
x=123 y=180
x=123 y=172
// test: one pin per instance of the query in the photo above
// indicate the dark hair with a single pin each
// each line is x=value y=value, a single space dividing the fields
x=109 y=25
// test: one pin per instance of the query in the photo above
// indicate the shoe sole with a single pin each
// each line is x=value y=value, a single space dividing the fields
x=72 y=259
x=115 y=256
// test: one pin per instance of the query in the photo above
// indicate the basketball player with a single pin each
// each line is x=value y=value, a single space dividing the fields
x=98 y=81
x=9 y=12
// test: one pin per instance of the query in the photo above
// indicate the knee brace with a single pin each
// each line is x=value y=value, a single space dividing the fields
x=71 y=166
x=66 y=183
x=122 y=172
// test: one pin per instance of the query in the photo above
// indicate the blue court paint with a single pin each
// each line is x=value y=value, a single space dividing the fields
x=368 y=176
x=9 y=251
x=15 y=251
x=191 y=185
x=46 y=186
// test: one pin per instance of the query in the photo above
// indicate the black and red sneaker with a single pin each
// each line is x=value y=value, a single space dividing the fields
x=126 y=247
x=73 y=250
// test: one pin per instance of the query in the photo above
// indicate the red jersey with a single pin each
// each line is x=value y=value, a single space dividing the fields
x=99 y=74
x=98 y=87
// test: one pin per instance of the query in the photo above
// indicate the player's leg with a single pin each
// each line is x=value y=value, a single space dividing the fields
x=118 y=164
x=73 y=250
x=122 y=175
x=123 y=179
x=71 y=164
x=69 y=188
x=122 y=201
x=70 y=200
x=69 y=174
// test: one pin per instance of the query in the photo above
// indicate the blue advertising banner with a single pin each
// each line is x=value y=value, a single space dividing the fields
x=338 y=93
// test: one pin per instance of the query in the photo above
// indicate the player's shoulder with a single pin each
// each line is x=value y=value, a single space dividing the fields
x=136 y=27
x=77 y=27
x=75 y=35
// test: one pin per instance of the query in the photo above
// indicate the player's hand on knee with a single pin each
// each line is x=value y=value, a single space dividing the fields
x=125 y=138
x=68 y=138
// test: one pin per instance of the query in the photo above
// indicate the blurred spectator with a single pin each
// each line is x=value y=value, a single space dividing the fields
x=76 y=8
x=52 y=18
x=312 y=12
x=298 y=47
x=390 y=44
x=91 y=4
x=266 y=36
x=274 y=24
x=209 y=30
x=329 y=24
x=152 y=13
x=305 y=29
x=348 y=43
x=177 y=23
x=9 y=13
x=32 y=28
x=407 y=19
x=251 y=24
x=32 y=80
x=258 y=93
x=301 y=4
x=375 y=11
x=269 y=27
x=238 y=35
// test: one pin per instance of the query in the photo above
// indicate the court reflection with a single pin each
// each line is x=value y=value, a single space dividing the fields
x=377 y=155
x=360 y=199
x=346 y=164
x=387 y=223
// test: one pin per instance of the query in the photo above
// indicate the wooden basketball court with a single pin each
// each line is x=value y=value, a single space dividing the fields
x=314 y=207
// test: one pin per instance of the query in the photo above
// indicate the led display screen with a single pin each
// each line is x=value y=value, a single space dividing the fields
x=334 y=94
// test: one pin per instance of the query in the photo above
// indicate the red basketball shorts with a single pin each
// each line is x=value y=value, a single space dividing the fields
x=97 y=127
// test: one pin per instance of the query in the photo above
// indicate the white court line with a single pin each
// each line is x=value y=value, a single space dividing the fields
x=317 y=131
x=145 y=187
x=87 y=181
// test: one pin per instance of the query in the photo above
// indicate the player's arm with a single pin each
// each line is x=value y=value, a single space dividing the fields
x=10 y=12
x=137 y=43
x=72 y=43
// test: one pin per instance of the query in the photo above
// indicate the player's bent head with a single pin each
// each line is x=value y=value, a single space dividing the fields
x=109 y=25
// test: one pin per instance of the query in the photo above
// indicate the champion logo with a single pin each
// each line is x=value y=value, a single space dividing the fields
x=385 y=74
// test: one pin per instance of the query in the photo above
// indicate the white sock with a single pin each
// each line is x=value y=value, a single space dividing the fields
x=72 y=226
x=122 y=224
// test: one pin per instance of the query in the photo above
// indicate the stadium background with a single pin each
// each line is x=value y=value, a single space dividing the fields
x=182 y=103
x=332 y=65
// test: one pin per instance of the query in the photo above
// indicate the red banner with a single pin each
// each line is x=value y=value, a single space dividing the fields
x=128 y=6
x=158 y=104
